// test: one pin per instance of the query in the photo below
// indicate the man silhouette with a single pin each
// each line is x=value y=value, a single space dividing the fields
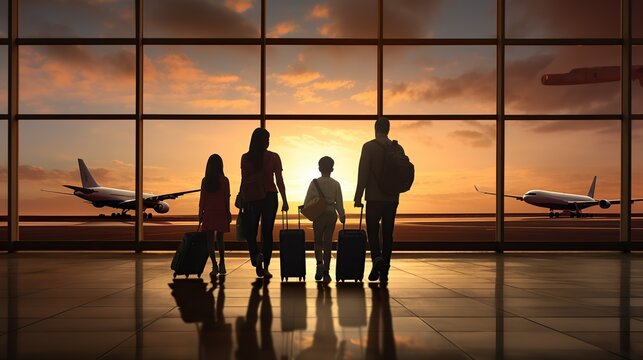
x=380 y=206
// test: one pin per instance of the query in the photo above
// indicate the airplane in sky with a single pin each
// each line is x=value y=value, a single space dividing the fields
x=552 y=200
x=125 y=200
x=591 y=75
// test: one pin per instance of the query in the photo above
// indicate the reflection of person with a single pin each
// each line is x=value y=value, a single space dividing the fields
x=216 y=335
x=380 y=324
x=324 y=340
x=246 y=329
x=214 y=209
x=380 y=207
x=324 y=225
x=257 y=168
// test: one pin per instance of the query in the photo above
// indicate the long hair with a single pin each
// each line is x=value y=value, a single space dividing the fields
x=258 y=146
x=213 y=170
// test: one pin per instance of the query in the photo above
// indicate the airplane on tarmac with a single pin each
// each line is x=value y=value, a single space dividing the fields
x=101 y=196
x=573 y=203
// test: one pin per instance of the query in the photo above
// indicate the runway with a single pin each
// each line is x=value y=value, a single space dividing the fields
x=420 y=228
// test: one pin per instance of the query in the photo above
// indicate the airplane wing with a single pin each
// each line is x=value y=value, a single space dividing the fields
x=56 y=192
x=517 y=197
x=169 y=196
x=618 y=201
x=81 y=189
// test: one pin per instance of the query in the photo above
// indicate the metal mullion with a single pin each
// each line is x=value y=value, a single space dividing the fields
x=76 y=41
x=557 y=42
x=76 y=117
x=638 y=41
x=201 y=117
x=140 y=211
x=637 y=116
x=262 y=84
x=380 y=58
x=442 y=41
x=12 y=126
x=500 y=126
x=626 y=125
x=201 y=41
x=570 y=117
x=4 y=41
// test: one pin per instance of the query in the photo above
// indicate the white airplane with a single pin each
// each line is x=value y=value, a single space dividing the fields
x=573 y=203
x=101 y=196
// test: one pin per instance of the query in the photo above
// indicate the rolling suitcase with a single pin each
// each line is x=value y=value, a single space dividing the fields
x=292 y=250
x=191 y=255
x=351 y=252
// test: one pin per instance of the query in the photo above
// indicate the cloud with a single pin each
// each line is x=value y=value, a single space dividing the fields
x=366 y=98
x=478 y=134
x=294 y=77
x=283 y=28
x=197 y=18
x=319 y=11
x=239 y=6
x=333 y=85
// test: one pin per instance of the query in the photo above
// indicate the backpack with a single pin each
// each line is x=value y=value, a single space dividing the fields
x=398 y=172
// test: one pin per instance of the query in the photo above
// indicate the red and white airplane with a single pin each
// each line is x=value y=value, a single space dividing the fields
x=591 y=75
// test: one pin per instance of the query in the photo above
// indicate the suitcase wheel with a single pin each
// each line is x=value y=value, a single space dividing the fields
x=199 y=275
x=187 y=276
x=174 y=275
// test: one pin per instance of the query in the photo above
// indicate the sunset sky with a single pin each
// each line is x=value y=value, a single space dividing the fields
x=450 y=156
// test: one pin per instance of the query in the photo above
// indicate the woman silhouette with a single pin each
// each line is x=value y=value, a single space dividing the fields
x=258 y=197
x=214 y=209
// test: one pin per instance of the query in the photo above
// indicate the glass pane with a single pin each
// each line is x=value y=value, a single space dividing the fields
x=637 y=18
x=439 y=80
x=49 y=153
x=563 y=80
x=202 y=18
x=546 y=158
x=637 y=180
x=63 y=18
x=4 y=151
x=77 y=79
x=321 y=79
x=314 y=19
x=563 y=19
x=4 y=81
x=637 y=78
x=4 y=18
x=201 y=79
x=181 y=167
x=440 y=19
x=434 y=209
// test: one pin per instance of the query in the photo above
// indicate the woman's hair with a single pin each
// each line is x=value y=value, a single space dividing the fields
x=213 y=170
x=258 y=146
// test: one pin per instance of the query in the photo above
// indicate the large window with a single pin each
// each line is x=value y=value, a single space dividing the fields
x=202 y=74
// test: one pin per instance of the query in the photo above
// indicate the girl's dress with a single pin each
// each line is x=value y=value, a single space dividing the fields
x=212 y=206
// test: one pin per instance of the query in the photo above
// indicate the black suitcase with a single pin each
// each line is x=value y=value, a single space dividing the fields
x=191 y=255
x=293 y=306
x=292 y=250
x=351 y=252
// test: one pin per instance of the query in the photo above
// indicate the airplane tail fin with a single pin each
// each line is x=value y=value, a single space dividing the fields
x=590 y=193
x=85 y=176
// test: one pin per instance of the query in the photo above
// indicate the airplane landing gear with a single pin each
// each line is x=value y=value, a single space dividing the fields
x=147 y=216
x=553 y=214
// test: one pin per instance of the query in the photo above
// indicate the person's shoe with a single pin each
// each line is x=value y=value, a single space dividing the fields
x=319 y=274
x=222 y=270
x=375 y=271
x=327 y=277
x=267 y=274
x=384 y=273
x=259 y=265
x=215 y=270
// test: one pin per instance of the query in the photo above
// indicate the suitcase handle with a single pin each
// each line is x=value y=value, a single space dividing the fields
x=361 y=212
x=284 y=215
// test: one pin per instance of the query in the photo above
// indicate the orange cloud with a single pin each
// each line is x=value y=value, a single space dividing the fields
x=319 y=11
x=333 y=85
x=283 y=28
x=295 y=78
x=239 y=6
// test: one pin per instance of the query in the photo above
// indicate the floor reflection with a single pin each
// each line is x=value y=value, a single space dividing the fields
x=248 y=346
x=324 y=344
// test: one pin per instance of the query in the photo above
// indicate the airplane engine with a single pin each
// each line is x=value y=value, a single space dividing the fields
x=98 y=205
x=604 y=204
x=162 y=207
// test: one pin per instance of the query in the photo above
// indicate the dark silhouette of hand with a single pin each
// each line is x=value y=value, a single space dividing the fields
x=358 y=204
x=285 y=207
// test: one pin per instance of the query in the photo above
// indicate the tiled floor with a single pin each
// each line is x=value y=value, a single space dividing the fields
x=436 y=306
